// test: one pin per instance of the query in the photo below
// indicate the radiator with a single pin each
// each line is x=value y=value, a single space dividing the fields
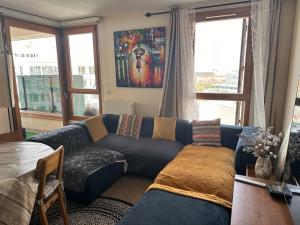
x=118 y=107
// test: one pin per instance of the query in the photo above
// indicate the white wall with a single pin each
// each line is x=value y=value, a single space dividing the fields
x=147 y=99
x=294 y=71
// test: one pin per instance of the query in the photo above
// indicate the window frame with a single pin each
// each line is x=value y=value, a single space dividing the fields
x=247 y=68
x=71 y=90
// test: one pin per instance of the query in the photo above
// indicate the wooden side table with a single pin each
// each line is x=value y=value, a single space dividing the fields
x=253 y=205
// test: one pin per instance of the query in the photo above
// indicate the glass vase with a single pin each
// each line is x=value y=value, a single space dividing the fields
x=263 y=167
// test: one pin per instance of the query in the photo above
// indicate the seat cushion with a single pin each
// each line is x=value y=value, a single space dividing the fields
x=79 y=165
x=161 y=208
x=97 y=183
x=146 y=156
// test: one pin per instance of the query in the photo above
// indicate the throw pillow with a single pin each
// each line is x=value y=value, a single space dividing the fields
x=164 y=128
x=130 y=125
x=207 y=132
x=96 y=128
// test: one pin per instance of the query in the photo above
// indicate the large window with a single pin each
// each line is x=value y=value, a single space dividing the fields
x=223 y=65
x=82 y=71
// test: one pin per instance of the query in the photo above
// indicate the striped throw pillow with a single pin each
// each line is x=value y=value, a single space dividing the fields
x=129 y=125
x=207 y=132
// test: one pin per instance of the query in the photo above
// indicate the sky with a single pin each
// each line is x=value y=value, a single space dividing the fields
x=218 y=45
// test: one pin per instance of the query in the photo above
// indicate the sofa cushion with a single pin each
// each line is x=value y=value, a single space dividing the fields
x=158 y=207
x=164 y=128
x=97 y=183
x=96 y=128
x=206 y=132
x=229 y=135
x=180 y=131
x=72 y=137
x=130 y=125
x=80 y=164
x=146 y=156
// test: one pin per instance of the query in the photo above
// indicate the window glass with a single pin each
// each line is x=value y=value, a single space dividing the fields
x=36 y=69
x=218 y=55
x=82 y=58
x=85 y=104
x=213 y=109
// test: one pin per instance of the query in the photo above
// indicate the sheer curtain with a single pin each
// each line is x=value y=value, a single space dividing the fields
x=179 y=98
x=265 y=33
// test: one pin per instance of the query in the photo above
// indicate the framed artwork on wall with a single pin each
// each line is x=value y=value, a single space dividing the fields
x=140 y=57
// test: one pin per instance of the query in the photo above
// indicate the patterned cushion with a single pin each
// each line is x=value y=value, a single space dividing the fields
x=207 y=132
x=129 y=125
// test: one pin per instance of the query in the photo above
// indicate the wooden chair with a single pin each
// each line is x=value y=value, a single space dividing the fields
x=49 y=174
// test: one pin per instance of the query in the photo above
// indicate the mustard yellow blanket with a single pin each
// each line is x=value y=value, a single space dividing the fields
x=201 y=172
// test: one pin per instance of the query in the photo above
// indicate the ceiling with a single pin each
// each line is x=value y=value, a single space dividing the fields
x=68 y=9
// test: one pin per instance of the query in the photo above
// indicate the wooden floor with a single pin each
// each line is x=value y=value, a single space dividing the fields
x=128 y=188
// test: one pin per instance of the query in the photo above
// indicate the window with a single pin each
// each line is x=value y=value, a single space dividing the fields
x=223 y=65
x=82 y=69
x=37 y=78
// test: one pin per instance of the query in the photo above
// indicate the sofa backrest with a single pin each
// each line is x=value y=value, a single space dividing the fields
x=71 y=137
x=111 y=123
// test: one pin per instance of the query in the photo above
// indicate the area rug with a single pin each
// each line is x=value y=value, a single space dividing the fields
x=103 y=211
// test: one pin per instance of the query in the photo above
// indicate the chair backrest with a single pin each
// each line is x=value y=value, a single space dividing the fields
x=49 y=165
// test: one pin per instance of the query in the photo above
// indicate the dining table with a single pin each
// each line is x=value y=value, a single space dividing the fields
x=18 y=186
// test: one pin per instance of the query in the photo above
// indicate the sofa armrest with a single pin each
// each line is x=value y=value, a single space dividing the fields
x=230 y=135
x=242 y=158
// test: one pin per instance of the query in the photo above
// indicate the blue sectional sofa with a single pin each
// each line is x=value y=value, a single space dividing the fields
x=144 y=157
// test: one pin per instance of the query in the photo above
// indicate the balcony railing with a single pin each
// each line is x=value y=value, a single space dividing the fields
x=39 y=93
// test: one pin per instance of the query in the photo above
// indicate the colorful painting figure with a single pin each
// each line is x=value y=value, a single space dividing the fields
x=140 y=57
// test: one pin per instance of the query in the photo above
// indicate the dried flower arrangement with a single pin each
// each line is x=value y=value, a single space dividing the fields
x=263 y=143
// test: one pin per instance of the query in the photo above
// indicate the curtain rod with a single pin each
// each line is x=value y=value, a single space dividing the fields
x=148 y=14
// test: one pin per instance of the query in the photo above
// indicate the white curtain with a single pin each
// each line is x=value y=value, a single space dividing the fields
x=179 y=98
x=265 y=18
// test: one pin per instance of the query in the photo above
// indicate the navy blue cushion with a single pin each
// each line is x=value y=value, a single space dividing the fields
x=243 y=158
x=158 y=207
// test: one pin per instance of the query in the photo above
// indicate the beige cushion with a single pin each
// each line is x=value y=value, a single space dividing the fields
x=96 y=128
x=164 y=128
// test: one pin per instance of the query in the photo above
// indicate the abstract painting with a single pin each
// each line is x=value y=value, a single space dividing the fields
x=140 y=57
